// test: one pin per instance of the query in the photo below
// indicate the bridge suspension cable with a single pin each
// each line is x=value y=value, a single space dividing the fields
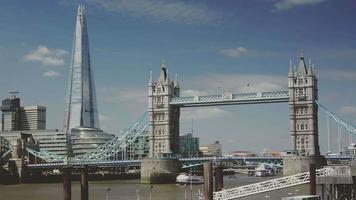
x=117 y=144
x=106 y=151
x=337 y=119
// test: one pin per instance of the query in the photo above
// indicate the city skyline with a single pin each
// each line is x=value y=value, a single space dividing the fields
x=128 y=42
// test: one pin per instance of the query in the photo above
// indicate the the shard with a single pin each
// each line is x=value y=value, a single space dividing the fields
x=81 y=109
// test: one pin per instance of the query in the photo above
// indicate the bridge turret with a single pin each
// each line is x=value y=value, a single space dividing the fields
x=302 y=85
x=164 y=119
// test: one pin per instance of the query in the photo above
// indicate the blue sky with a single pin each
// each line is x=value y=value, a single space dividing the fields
x=212 y=45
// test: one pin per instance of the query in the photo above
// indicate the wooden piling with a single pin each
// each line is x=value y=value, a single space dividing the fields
x=67 y=185
x=312 y=185
x=208 y=181
x=84 y=186
x=219 y=178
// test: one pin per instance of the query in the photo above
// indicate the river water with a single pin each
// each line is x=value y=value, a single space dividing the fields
x=127 y=190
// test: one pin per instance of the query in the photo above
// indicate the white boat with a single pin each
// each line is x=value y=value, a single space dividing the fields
x=265 y=170
x=184 y=178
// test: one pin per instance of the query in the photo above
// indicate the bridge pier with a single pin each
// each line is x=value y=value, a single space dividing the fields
x=84 y=186
x=298 y=164
x=219 y=178
x=208 y=181
x=159 y=170
x=67 y=185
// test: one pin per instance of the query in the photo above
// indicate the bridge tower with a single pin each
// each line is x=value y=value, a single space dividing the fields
x=164 y=119
x=161 y=166
x=303 y=91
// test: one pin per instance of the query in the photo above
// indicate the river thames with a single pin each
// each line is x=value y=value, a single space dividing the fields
x=127 y=190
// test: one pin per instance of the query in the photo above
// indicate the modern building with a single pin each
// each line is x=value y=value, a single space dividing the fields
x=15 y=117
x=33 y=118
x=189 y=146
x=49 y=140
x=81 y=109
x=138 y=149
x=208 y=150
x=10 y=109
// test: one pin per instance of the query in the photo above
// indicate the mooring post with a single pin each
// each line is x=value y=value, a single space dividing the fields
x=67 y=185
x=312 y=185
x=219 y=178
x=208 y=181
x=84 y=186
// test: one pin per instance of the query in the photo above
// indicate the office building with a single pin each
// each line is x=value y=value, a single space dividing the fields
x=16 y=118
x=189 y=146
x=81 y=109
x=10 y=109
x=208 y=150
x=33 y=118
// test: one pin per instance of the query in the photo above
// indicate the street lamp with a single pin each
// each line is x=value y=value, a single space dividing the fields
x=107 y=193
x=151 y=188
x=138 y=194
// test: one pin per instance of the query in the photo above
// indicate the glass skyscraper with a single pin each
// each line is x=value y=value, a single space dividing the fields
x=81 y=109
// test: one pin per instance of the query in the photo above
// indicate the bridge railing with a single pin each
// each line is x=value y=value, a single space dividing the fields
x=279 y=183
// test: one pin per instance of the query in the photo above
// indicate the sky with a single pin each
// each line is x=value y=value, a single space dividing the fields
x=213 y=46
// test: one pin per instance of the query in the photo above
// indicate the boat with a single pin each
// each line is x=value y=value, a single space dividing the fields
x=184 y=178
x=265 y=170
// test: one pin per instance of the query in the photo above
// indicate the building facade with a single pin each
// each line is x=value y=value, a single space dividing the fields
x=33 y=118
x=303 y=91
x=163 y=118
x=16 y=118
x=189 y=146
x=81 y=109
x=10 y=115
x=209 y=150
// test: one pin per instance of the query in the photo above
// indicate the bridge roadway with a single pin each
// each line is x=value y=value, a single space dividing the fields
x=184 y=161
x=228 y=98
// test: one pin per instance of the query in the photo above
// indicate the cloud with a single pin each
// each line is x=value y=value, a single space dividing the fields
x=338 y=75
x=191 y=92
x=348 y=110
x=234 y=52
x=51 y=74
x=47 y=56
x=177 y=11
x=203 y=113
x=217 y=83
x=289 y=4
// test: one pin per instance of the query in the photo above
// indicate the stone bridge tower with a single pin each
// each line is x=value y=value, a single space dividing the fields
x=163 y=118
x=303 y=91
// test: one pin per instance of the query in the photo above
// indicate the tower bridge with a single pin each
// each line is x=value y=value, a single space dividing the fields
x=162 y=121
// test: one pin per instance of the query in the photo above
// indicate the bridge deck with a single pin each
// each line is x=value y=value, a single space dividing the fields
x=231 y=99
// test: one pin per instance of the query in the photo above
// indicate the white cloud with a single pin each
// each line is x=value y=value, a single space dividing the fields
x=203 y=113
x=191 y=92
x=338 y=75
x=51 y=74
x=348 y=110
x=234 y=52
x=178 y=11
x=289 y=4
x=104 y=118
x=47 y=56
x=127 y=94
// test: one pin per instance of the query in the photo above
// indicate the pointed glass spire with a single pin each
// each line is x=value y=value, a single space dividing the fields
x=81 y=109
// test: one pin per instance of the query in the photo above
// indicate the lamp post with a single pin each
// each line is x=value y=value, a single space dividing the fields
x=107 y=193
x=151 y=188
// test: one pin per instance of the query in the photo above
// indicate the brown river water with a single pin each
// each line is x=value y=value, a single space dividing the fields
x=127 y=190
